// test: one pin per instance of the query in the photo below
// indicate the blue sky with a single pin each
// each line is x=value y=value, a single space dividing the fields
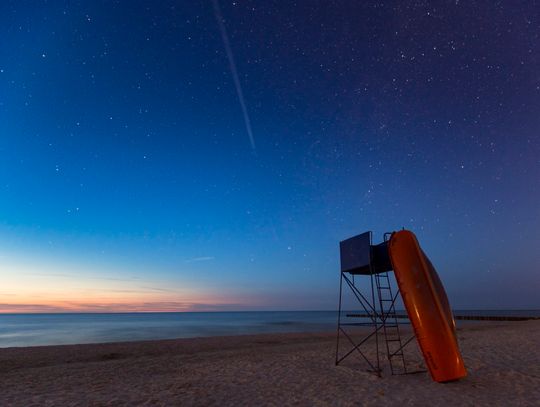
x=128 y=178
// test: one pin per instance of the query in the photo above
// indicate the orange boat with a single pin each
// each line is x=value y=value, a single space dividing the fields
x=427 y=306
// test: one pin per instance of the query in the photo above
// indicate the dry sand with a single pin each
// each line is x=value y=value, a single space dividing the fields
x=503 y=360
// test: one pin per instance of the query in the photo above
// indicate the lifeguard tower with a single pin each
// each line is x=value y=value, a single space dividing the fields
x=365 y=274
x=365 y=277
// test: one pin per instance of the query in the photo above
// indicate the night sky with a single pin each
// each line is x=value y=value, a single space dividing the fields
x=210 y=156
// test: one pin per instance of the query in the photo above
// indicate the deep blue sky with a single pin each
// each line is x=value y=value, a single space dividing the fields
x=125 y=155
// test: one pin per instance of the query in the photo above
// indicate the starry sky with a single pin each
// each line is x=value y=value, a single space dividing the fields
x=205 y=155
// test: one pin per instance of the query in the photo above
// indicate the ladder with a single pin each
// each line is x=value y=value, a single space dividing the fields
x=388 y=318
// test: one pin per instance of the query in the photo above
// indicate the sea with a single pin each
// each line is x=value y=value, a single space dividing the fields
x=18 y=330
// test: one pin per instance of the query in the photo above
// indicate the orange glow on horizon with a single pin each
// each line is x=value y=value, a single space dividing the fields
x=58 y=306
x=37 y=288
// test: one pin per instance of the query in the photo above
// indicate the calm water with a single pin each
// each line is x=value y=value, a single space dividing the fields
x=55 y=329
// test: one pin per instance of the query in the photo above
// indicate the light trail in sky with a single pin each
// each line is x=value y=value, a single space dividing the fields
x=234 y=72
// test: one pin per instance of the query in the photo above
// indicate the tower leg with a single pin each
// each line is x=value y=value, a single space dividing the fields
x=339 y=316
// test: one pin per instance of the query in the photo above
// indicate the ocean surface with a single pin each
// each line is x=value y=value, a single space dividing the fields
x=57 y=329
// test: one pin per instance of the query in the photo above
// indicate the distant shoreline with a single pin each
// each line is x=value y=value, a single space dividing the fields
x=466 y=317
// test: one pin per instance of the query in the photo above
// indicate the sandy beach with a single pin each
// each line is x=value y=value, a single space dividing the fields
x=503 y=361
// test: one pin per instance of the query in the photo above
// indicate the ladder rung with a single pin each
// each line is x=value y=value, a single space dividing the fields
x=383 y=288
x=393 y=340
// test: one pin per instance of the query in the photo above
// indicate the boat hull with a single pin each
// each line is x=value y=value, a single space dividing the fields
x=427 y=307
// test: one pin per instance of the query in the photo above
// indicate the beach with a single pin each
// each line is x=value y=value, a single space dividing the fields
x=502 y=358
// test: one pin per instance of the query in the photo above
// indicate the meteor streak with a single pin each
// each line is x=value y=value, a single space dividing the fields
x=234 y=72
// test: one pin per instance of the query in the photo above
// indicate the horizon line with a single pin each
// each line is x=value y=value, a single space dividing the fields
x=229 y=311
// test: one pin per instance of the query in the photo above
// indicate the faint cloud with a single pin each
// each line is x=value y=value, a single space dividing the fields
x=116 y=279
x=140 y=290
x=198 y=259
x=83 y=276
x=159 y=289
x=30 y=308
x=49 y=274
x=143 y=306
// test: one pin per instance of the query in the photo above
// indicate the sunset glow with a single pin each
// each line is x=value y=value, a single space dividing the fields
x=31 y=287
